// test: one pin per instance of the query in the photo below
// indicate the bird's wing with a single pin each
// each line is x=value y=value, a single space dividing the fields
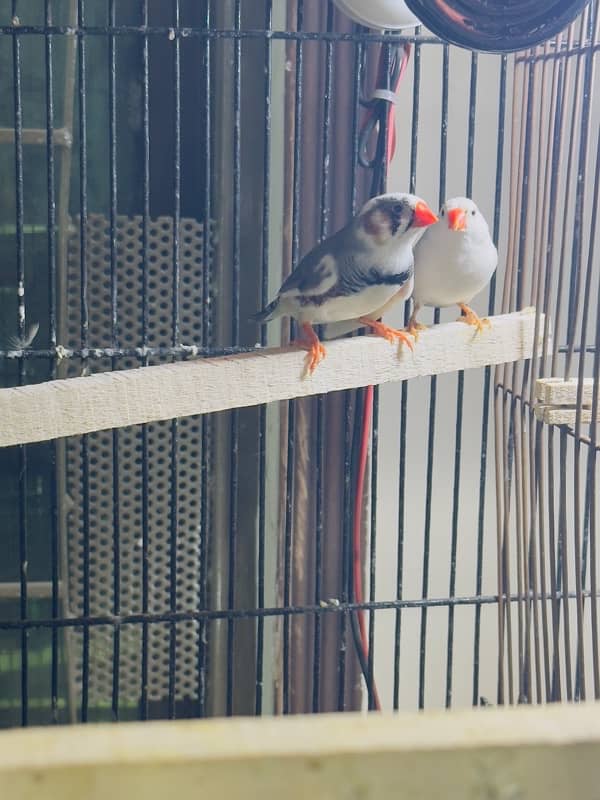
x=317 y=271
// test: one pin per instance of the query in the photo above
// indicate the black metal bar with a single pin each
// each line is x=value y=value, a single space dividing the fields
x=84 y=311
x=563 y=563
x=141 y=353
x=349 y=408
x=576 y=248
x=556 y=691
x=291 y=449
x=20 y=261
x=575 y=307
x=52 y=276
x=430 y=439
x=235 y=335
x=174 y=470
x=278 y=611
x=320 y=421
x=186 y=32
x=487 y=382
x=414 y=140
x=144 y=711
x=112 y=157
x=206 y=425
x=460 y=389
x=262 y=421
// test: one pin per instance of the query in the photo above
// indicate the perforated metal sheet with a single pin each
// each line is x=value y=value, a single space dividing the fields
x=121 y=516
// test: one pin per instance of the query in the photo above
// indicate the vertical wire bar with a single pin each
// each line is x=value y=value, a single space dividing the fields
x=320 y=439
x=414 y=141
x=291 y=451
x=556 y=693
x=540 y=484
x=235 y=336
x=563 y=561
x=20 y=258
x=503 y=421
x=513 y=290
x=174 y=476
x=568 y=92
x=550 y=283
x=544 y=267
x=530 y=482
x=591 y=477
x=144 y=710
x=459 y=410
x=112 y=158
x=206 y=340
x=55 y=517
x=349 y=406
x=591 y=457
x=82 y=98
x=375 y=431
x=433 y=398
x=588 y=90
x=487 y=384
x=576 y=247
x=524 y=606
x=262 y=420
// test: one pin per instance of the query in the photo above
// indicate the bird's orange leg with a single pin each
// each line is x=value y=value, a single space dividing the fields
x=391 y=334
x=413 y=326
x=471 y=318
x=316 y=351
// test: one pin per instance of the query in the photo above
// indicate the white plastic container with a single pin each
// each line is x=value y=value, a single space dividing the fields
x=379 y=14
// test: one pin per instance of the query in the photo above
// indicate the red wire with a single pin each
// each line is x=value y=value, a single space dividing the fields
x=366 y=422
x=356 y=527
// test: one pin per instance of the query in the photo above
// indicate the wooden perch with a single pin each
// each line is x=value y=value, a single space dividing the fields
x=525 y=753
x=130 y=397
x=557 y=401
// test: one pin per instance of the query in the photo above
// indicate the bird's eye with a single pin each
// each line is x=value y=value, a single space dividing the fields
x=398 y=208
x=473 y=213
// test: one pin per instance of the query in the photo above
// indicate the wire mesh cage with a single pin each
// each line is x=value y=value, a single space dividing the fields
x=206 y=565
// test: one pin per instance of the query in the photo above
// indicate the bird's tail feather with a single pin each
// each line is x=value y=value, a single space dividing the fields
x=267 y=313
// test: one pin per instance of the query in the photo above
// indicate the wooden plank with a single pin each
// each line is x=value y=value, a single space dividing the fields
x=559 y=392
x=563 y=415
x=130 y=397
x=525 y=753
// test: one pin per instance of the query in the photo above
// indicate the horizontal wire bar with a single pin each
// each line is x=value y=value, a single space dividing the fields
x=326 y=607
x=152 y=352
x=185 y=32
x=566 y=53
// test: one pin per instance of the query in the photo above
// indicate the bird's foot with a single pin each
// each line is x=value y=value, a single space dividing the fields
x=316 y=351
x=471 y=318
x=390 y=334
x=414 y=327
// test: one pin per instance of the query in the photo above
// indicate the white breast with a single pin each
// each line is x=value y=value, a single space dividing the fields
x=452 y=267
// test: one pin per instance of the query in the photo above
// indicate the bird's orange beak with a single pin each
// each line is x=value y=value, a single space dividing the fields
x=457 y=219
x=424 y=216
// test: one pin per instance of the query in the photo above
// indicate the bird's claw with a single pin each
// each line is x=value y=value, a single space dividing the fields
x=413 y=329
x=316 y=352
x=389 y=334
x=473 y=319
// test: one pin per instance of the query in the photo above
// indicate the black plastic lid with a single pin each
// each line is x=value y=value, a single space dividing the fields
x=496 y=26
